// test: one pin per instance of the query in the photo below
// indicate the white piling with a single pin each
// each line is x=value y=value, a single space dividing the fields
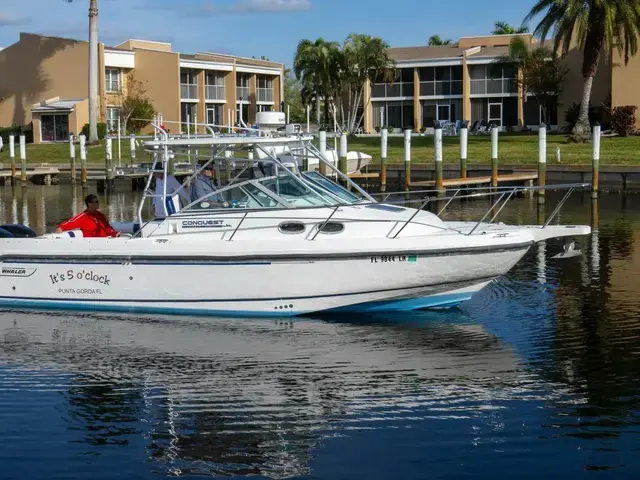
x=132 y=146
x=464 y=145
x=323 y=151
x=23 y=160
x=437 y=156
x=542 y=161
x=407 y=158
x=72 y=159
x=494 y=156
x=595 y=161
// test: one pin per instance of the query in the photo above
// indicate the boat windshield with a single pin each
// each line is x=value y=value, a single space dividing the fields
x=279 y=191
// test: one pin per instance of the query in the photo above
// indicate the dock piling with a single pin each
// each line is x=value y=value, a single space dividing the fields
x=12 y=155
x=384 y=139
x=407 y=159
x=72 y=159
x=437 y=156
x=342 y=161
x=23 y=160
x=542 y=161
x=132 y=148
x=596 y=160
x=83 y=160
x=494 y=155
x=109 y=164
x=464 y=143
x=323 y=151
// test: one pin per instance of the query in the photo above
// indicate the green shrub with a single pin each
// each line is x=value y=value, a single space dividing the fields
x=377 y=129
x=390 y=128
x=102 y=130
x=600 y=114
x=16 y=130
x=623 y=120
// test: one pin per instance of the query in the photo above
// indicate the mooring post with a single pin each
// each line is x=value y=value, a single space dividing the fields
x=542 y=161
x=12 y=155
x=596 y=160
x=342 y=162
x=494 y=155
x=384 y=139
x=83 y=160
x=227 y=165
x=323 y=151
x=437 y=156
x=23 y=160
x=407 y=159
x=464 y=143
x=132 y=148
x=109 y=165
x=72 y=159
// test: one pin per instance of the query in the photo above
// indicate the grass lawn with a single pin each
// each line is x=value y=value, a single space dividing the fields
x=59 y=153
x=512 y=149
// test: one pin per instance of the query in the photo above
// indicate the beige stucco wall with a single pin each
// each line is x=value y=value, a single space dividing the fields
x=160 y=73
x=253 y=97
x=493 y=40
x=40 y=68
x=146 y=45
x=574 y=83
x=625 y=82
x=277 y=88
x=229 y=113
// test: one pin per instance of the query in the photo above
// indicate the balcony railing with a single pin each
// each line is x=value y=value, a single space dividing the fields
x=189 y=91
x=265 y=94
x=382 y=90
x=492 y=86
x=242 y=92
x=440 y=88
x=215 y=92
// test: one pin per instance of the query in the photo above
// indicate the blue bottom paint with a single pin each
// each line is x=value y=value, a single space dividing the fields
x=405 y=305
x=409 y=304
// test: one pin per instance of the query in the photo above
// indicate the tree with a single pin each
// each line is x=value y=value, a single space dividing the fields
x=93 y=70
x=293 y=97
x=540 y=72
x=436 y=40
x=315 y=65
x=592 y=25
x=364 y=59
x=136 y=110
x=503 y=28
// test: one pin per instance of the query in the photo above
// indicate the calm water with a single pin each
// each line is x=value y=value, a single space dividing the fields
x=538 y=376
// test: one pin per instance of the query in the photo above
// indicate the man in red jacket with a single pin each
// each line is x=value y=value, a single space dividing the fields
x=92 y=222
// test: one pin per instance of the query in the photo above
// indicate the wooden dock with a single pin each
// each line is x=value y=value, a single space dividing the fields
x=483 y=180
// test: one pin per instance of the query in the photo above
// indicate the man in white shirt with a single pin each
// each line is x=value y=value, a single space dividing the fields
x=174 y=191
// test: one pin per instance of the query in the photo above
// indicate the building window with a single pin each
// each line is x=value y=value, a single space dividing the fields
x=243 y=86
x=113 y=116
x=494 y=79
x=112 y=77
x=188 y=116
x=214 y=114
x=265 y=108
x=265 y=88
x=401 y=87
x=54 y=128
x=214 y=86
x=398 y=114
x=440 y=81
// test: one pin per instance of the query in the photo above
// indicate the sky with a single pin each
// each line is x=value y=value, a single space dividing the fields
x=270 y=28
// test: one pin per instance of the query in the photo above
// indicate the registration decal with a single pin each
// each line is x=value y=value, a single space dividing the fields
x=394 y=258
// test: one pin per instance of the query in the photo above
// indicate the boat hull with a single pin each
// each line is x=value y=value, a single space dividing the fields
x=259 y=287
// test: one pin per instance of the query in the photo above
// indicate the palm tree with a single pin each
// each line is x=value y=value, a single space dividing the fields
x=315 y=66
x=593 y=25
x=436 y=40
x=93 y=70
x=503 y=28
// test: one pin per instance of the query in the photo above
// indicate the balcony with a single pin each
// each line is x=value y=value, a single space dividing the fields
x=243 y=92
x=215 y=92
x=494 y=86
x=386 y=90
x=265 y=94
x=440 y=88
x=189 y=91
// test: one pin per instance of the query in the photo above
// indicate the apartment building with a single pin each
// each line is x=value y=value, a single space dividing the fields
x=44 y=83
x=469 y=81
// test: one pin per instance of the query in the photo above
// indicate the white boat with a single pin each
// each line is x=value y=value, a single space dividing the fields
x=289 y=243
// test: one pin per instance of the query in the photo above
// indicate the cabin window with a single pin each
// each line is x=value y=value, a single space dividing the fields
x=291 y=227
x=331 y=227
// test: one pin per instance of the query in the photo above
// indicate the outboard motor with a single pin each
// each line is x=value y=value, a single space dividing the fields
x=19 y=231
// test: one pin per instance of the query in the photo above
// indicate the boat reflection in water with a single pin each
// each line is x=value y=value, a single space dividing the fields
x=223 y=397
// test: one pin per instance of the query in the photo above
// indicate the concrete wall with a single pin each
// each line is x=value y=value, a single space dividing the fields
x=37 y=69
x=146 y=45
x=493 y=40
